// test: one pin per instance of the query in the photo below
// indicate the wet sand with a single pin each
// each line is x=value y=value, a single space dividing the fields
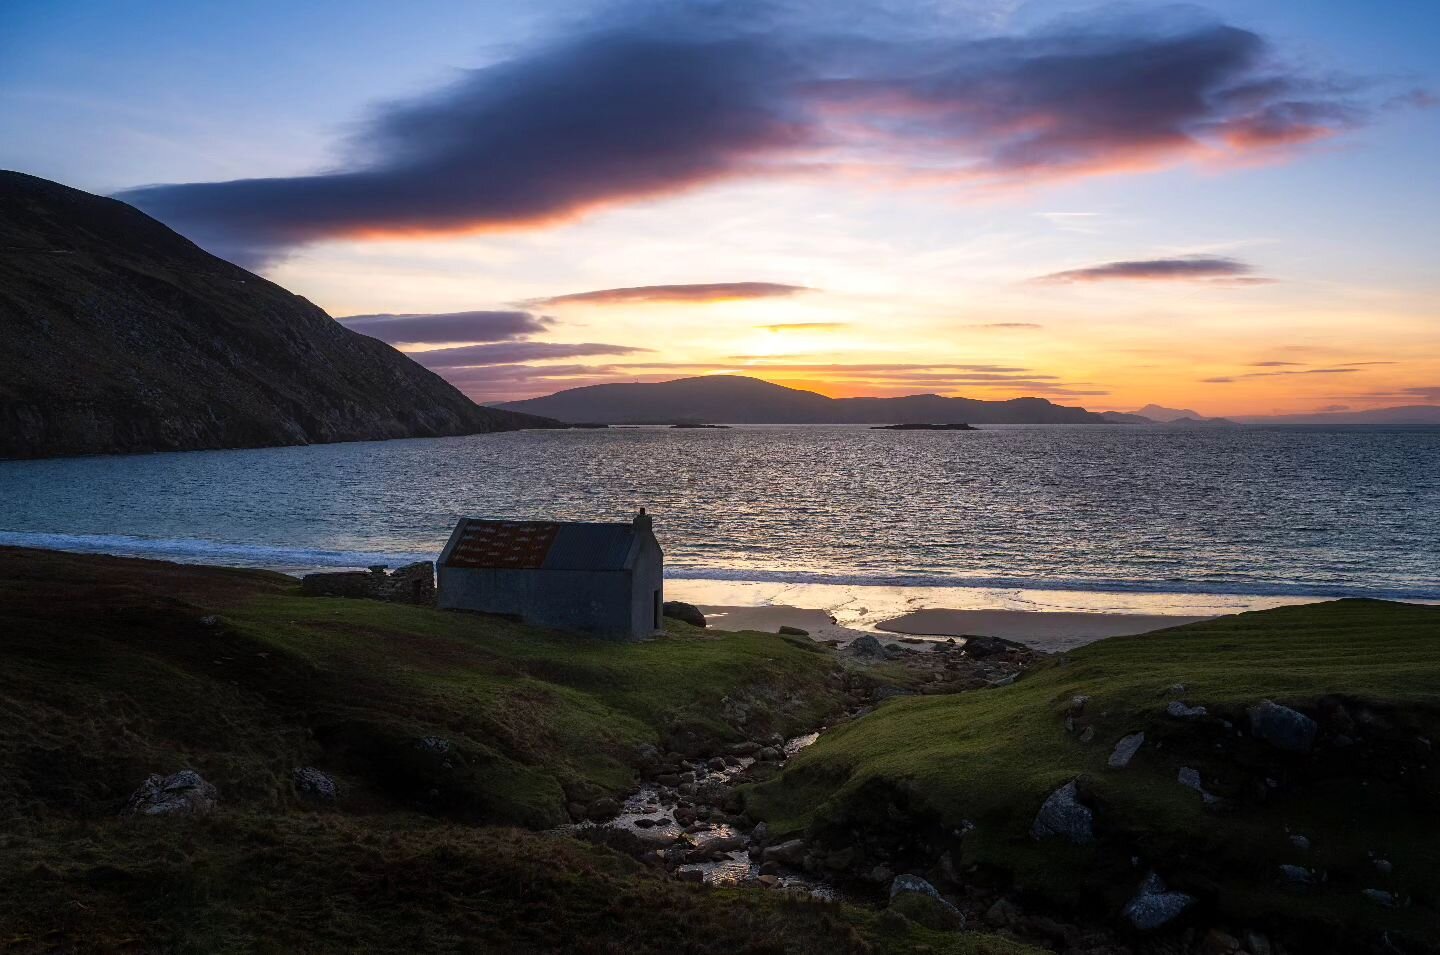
x=1043 y=630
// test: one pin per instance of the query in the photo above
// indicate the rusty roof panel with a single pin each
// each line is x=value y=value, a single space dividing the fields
x=509 y=545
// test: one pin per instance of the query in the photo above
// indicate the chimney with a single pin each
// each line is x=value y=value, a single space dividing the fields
x=643 y=521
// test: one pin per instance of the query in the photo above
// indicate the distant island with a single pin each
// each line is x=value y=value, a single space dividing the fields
x=691 y=424
x=123 y=336
x=953 y=426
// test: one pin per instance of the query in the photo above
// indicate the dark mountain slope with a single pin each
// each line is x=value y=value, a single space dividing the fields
x=120 y=335
x=736 y=399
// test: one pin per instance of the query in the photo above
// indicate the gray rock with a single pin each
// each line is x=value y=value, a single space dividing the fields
x=1282 y=727
x=790 y=853
x=1190 y=778
x=790 y=631
x=1154 y=905
x=1379 y=897
x=1077 y=704
x=433 y=744
x=1180 y=711
x=1296 y=875
x=913 y=884
x=183 y=794
x=866 y=646
x=686 y=613
x=769 y=755
x=603 y=808
x=1087 y=735
x=313 y=784
x=1062 y=814
x=1125 y=750
x=1300 y=842
x=1383 y=866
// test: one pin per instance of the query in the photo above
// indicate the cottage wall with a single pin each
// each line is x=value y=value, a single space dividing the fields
x=647 y=588
x=595 y=602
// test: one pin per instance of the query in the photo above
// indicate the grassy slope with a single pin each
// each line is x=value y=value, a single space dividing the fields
x=108 y=673
x=992 y=757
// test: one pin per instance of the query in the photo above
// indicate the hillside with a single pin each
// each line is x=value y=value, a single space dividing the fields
x=1312 y=823
x=736 y=399
x=440 y=731
x=1401 y=415
x=121 y=335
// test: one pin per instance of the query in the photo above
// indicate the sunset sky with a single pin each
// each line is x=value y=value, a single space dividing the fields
x=1232 y=207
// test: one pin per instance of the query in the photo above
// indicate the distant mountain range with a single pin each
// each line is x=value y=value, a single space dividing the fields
x=120 y=335
x=736 y=399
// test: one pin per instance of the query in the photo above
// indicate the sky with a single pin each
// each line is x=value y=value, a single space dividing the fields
x=1229 y=207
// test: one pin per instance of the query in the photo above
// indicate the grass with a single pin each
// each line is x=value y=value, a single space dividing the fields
x=915 y=771
x=110 y=671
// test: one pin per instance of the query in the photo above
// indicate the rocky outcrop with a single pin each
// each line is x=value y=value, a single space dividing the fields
x=122 y=336
x=183 y=794
x=314 y=785
x=1281 y=727
x=1155 y=905
x=411 y=584
x=1063 y=815
x=686 y=613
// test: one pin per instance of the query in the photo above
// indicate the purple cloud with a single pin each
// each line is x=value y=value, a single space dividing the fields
x=1182 y=268
x=647 y=107
x=505 y=353
x=448 y=327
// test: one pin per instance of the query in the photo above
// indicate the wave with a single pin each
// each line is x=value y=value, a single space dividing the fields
x=274 y=557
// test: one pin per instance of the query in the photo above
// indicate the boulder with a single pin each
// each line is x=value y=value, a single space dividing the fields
x=919 y=901
x=1062 y=814
x=603 y=808
x=1154 y=905
x=1190 y=779
x=1296 y=875
x=183 y=794
x=1281 y=727
x=769 y=754
x=1180 y=711
x=313 y=784
x=866 y=646
x=1125 y=750
x=686 y=613
x=978 y=648
x=791 y=853
x=1379 y=897
x=790 y=631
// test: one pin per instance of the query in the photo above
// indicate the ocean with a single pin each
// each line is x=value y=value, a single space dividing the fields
x=1072 y=517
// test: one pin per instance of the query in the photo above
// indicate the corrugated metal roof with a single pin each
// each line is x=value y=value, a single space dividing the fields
x=531 y=545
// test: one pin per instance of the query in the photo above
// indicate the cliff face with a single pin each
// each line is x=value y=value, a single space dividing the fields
x=120 y=335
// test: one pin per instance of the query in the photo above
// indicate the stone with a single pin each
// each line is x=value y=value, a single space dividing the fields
x=1379 y=897
x=1154 y=905
x=603 y=808
x=1217 y=942
x=791 y=852
x=1190 y=779
x=210 y=620
x=1180 y=711
x=790 y=631
x=433 y=744
x=919 y=901
x=769 y=881
x=690 y=875
x=1087 y=735
x=313 y=784
x=1258 y=943
x=686 y=613
x=1125 y=750
x=747 y=748
x=411 y=584
x=759 y=834
x=182 y=794
x=644 y=822
x=1003 y=913
x=1296 y=875
x=866 y=646
x=1383 y=866
x=1281 y=727
x=1300 y=842
x=769 y=755
x=1077 y=704
x=770 y=868
x=1062 y=814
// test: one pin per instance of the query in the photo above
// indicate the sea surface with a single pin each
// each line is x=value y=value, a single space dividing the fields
x=1055 y=517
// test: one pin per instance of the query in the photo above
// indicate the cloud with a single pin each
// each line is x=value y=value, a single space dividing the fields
x=1182 y=268
x=1272 y=374
x=1274 y=364
x=640 y=106
x=1014 y=325
x=448 y=327
x=706 y=292
x=504 y=353
x=803 y=326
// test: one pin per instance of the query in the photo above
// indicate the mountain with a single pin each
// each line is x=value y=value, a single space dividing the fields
x=1404 y=414
x=736 y=399
x=1164 y=415
x=120 y=335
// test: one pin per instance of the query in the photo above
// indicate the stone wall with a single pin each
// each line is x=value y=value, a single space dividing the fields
x=411 y=584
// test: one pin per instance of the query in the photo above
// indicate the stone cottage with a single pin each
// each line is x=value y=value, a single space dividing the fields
x=600 y=579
